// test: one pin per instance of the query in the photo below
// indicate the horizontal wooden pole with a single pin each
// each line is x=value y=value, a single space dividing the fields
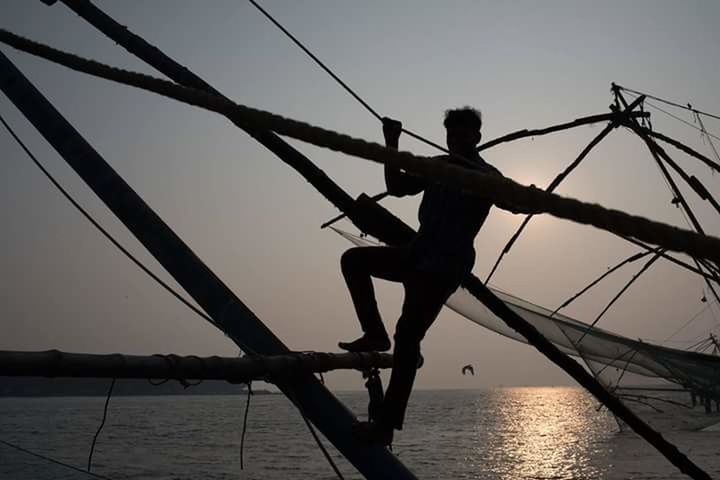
x=524 y=133
x=54 y=363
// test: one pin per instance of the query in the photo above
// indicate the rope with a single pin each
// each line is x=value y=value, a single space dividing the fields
x=668 y=102
x=52 y=460
x=683 y=121
x=172 y=360
x=336 y=78
x=317 y=60
x=104 y=232
x=523 y=199
x=102 y=424
x=680 y=119
x=707 y=135
x=697 y=315
x=244 y=425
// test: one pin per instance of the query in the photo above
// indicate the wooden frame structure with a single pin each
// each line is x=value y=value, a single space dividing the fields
x=229 y=312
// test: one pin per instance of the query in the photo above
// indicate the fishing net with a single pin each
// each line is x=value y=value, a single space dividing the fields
x=670 y=388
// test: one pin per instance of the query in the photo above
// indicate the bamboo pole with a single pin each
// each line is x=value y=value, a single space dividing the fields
x=54 y=363
x=603 y=117
x=691 y=180
x=682 y=147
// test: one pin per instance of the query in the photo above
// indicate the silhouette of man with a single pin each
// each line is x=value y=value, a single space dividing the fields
x=430 y=267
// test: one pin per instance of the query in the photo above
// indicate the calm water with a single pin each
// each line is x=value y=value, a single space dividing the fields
x=514 y=433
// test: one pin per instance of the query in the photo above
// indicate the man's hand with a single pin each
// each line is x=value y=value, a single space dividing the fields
x=398 y=182
x=391 y=130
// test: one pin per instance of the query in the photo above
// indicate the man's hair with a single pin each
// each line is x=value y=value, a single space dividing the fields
x=463 y=117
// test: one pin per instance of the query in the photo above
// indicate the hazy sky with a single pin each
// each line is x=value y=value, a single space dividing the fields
x=255 y=222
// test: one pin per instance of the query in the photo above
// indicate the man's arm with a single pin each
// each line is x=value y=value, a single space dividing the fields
x=504 y=204
x=398 y=182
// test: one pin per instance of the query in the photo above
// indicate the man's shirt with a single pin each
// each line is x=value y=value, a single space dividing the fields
x=450 y=219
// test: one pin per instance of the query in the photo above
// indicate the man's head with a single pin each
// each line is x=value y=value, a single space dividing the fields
x=463 y=129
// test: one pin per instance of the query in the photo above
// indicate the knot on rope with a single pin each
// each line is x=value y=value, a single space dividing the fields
x=173 y=361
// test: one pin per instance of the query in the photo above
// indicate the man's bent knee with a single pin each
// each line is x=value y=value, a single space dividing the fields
x=351 y=259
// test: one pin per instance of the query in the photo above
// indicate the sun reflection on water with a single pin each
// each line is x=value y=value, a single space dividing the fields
x=544 y=433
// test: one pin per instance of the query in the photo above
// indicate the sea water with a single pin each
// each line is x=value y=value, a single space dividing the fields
x=504 y=433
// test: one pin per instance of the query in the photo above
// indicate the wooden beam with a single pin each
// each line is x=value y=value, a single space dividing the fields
x=578 y=122
x=54 y=363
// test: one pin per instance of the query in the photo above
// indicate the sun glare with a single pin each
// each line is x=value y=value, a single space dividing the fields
x=547 y=434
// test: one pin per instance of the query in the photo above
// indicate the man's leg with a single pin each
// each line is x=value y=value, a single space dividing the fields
x=425 y=294
x=359 y=265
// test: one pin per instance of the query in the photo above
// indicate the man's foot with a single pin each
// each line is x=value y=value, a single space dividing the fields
x=372 y=433
x=367 y=343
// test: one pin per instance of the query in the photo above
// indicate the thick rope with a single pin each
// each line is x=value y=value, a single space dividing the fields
x=507 y=194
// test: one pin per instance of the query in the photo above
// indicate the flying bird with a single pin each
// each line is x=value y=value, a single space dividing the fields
x=468 y=368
